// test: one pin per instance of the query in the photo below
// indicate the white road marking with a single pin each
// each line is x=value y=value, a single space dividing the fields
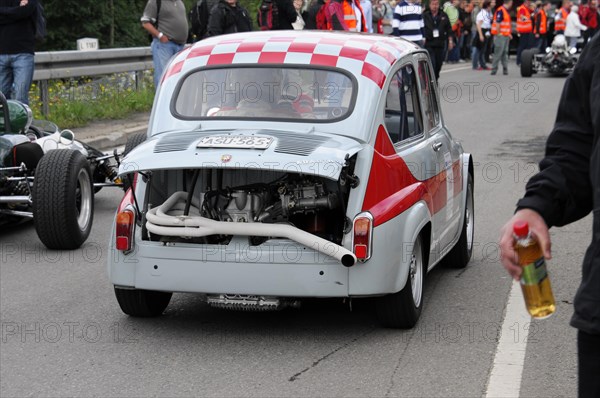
x=455 y=69
x=507 y=369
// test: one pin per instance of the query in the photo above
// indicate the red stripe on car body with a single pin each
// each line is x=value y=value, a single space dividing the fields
x=392 y=188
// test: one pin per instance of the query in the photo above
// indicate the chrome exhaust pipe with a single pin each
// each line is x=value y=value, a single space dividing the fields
x=168 y=220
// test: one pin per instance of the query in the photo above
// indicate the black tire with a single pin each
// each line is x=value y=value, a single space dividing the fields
x=401 y=310
x=142 y=303
x=63 y=199
x=461 y=253
x=131 y=143
x=527 y=62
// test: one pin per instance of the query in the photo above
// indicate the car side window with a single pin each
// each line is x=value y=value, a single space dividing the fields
x=402 y=111
x=430 y=105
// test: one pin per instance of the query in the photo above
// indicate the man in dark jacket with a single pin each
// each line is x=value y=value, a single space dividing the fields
x=565 y=190
x=228 y=16
x=438 y=34
x=286 y=14
x=17 y=40
x=311 y=14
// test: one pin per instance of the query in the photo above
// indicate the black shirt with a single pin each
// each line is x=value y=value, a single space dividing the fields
x=17 y=29
x=439 y=22
x=227 y=19
x=567 y=187
x=286 y=14
x=311 y=14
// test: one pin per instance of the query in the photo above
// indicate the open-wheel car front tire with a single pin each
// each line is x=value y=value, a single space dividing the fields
x=402 y=310
x=142 y=303
x=527 y=62
x=63 y=199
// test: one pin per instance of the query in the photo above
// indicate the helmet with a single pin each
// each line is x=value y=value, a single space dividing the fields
x=559 y=43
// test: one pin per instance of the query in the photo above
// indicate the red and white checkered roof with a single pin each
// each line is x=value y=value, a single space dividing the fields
x=369 y=56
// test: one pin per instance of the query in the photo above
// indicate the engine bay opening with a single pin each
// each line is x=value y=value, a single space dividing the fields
x=313 y=204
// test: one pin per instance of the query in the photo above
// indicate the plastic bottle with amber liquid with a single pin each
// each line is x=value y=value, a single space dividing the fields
x=535 y=282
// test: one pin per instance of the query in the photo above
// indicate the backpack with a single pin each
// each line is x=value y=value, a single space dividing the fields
x=268 y=15
x=39 y=25
x=321 y=18
x=199 y=20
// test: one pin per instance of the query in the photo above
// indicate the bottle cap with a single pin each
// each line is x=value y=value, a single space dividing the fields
x=521 y=228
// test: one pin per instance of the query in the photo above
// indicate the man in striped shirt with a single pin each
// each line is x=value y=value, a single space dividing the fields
x=408 y=21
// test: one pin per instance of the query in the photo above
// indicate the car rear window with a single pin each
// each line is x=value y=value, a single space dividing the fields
x=281 y=93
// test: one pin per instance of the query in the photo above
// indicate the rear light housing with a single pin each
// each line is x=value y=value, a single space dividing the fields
x=125 y=223
x=362 y=236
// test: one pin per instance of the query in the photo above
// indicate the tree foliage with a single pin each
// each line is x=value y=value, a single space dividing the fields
x=115 y=23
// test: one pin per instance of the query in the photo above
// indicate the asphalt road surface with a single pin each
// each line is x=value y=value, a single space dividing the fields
x=63 y=334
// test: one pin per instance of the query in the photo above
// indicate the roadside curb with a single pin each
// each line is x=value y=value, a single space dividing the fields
x=115 y=139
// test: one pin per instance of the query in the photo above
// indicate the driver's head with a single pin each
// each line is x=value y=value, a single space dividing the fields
x=257 y=84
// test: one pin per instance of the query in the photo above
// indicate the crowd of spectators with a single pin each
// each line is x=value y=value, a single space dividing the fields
x=453 y=31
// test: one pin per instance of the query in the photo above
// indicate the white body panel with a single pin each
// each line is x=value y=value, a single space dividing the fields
x=281 y=267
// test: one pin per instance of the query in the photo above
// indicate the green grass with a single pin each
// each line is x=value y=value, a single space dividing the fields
x=77 y=103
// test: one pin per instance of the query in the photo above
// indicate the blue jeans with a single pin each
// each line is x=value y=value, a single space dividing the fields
x=16 y=75
x=161 y=55
x=478 y=56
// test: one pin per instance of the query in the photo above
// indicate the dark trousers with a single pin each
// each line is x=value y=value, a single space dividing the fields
x=437 y=59
x=588 y=34
x=541 y=43
x=525 y=42
x=588 y=352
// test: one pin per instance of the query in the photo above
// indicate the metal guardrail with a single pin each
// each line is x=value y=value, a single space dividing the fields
x=68 y=64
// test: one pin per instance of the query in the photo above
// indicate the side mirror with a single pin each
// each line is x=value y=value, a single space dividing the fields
x=67 y=137
x=16 y=118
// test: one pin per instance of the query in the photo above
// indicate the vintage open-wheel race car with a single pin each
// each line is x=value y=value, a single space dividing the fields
x=47 y=175
x=558 y=59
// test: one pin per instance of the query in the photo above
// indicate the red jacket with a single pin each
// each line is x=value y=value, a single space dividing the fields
x=588 y=16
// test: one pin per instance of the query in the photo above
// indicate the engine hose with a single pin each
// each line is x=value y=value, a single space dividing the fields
x=188 y=202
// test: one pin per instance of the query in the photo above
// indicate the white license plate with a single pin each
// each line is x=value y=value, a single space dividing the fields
x=235 y=141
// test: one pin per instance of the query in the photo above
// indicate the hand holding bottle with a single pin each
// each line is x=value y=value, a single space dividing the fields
x=538 y=227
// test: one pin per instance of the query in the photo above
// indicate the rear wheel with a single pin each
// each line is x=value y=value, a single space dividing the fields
x=63 y=199
x=403 y=309
x=142 y=303
x=527 y=62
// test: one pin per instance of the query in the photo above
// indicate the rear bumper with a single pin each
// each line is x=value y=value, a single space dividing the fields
x=276 y=268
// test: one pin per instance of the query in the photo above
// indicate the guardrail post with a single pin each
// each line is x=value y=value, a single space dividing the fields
x=44 y=97
x=139 y=78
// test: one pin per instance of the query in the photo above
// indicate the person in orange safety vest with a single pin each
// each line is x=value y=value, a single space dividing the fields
x=540 y=25
x=501 y=29
x=560 y=18
x=345 y=15
x=524 y=28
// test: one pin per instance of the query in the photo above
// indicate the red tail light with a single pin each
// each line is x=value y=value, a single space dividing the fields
x=124 y=229
x=362 y=236
x=125 y=222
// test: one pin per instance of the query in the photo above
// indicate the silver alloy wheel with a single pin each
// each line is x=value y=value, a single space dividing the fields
x=84 y=199
x=469 y=219
x=416 y=273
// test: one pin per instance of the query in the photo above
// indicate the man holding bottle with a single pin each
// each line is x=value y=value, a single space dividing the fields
x=565 y=190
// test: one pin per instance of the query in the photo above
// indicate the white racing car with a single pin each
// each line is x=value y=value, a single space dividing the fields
x=282 y=165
